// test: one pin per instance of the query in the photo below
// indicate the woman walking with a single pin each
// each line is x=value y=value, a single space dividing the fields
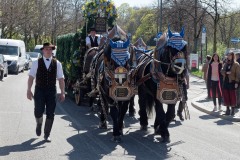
x=214 y=80
x=230 y=83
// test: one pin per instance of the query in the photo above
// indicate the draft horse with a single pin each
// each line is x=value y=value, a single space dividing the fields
x=115 y=84
x=161 y=79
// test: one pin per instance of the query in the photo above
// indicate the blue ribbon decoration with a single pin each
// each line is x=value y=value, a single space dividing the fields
x=176 y=41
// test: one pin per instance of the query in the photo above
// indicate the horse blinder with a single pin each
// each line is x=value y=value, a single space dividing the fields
x=179 y=63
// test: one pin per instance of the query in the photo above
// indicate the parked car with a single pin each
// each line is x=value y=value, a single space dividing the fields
x=14 y=52
x=234 y=50
x=38 y=49
x=28 y=62
x=34 y=55
x=3 y=67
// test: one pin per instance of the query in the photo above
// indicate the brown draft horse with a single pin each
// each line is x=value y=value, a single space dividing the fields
x=114 y=83
x=161 y=80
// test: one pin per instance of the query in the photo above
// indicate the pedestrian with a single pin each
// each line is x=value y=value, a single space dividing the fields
x=230 y=83
x=92 y=40
x=238 y=89
x=45 y=70
x=214 y=80
x=204 y=70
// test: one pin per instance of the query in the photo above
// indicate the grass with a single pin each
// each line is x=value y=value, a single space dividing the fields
x=197 y=72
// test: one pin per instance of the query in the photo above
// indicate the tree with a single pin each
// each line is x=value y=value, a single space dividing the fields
x=147 y=28
x=214 y=9
x=124 y=14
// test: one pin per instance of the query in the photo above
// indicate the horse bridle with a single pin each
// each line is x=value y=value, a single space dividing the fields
x=172 y=64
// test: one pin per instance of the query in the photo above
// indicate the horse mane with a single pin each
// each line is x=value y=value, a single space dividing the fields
x=140 y=42
x=160 y=47
x=115 y=34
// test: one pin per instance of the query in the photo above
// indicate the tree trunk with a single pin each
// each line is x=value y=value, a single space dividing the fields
x=195 y=30
x=215 y=36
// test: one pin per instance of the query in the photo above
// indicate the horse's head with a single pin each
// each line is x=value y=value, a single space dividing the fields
x=172 y=50
x=117 y=57
x=136 y=50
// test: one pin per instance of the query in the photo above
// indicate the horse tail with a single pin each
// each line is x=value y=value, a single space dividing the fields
x=149 y=104
x=146 y=100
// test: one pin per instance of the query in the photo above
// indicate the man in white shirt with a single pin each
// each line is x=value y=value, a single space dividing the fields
x=45 y=70
x=92 y=40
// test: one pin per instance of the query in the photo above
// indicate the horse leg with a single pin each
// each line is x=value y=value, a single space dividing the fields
x=114 y=112
x=142 y=112
x=142 y=101
x=103 y=118
x=180 y=110
x=131 y=107
x=103 y=113
x=170 y=114
x=122 y=112
x=91 y=100
x=161 y=119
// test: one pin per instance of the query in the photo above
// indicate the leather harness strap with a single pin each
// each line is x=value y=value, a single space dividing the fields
x=143 y=79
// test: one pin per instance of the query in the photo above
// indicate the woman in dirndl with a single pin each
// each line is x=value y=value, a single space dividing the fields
x=230 y=83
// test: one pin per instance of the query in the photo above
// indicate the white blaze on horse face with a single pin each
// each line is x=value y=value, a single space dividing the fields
x=120 y=77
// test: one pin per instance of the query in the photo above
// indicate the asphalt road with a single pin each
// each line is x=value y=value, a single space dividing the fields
x=76 y=136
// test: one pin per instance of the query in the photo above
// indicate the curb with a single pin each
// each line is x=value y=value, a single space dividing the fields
x=215 y=114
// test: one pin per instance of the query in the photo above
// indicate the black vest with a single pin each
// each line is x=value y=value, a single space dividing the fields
x=95 y=42
x=46 y=77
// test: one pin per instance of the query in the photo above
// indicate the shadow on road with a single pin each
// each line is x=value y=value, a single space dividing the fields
x=203 y=100
x=223 y=122
x=207 y=117
x=90 y=142
x=25 y=146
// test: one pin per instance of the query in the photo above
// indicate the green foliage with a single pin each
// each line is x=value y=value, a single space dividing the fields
x=102 y=8
x=67 y=44
x=147 y=28
x=221 y=48
x=72 y=47
x=197 y=72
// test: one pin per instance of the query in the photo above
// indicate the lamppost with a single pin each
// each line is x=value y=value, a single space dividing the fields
x=159 y=26
x=160 y=15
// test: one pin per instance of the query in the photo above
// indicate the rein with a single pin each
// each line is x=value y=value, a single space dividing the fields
x=153 y=58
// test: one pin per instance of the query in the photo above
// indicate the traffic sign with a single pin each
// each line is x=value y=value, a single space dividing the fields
x=159 y=35
x=204 y=30
x=235 y=40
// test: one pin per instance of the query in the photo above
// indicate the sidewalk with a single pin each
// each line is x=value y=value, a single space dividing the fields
x=206 y=106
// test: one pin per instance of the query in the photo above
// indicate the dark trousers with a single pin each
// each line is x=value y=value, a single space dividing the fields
x=208 y=89
x=216 y=90
x=45 y=98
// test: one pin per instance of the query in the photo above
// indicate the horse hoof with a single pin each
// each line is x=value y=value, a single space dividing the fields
x=143 y=128
x=165 y=139
x=180 y=116
x=121 y=132
x=116 y=139
x=103 y=125
x=157 y=131
x=131 y=114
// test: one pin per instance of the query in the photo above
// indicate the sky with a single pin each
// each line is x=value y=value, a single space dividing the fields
x=132 y=3
x=142 y=3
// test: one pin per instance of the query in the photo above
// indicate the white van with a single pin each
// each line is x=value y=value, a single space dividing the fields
x=38 y=49
x=14 y=52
